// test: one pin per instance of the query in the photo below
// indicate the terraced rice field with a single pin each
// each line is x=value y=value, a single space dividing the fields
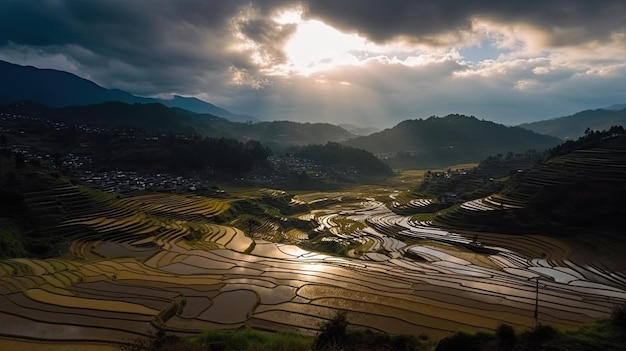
x=160 y=261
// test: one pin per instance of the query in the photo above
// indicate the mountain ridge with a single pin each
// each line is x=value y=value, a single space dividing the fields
x=56 y=88
x=441 y=141
x=172 y=119
x=574 y=126
x=575 y=190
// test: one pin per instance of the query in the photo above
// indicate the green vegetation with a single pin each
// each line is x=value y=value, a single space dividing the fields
x=335 y=335
x=566 y=194
x=568 y=190
x=439 y=142
x=457 y=185
x=599 y=335
x=226 y=155
x=329 y=245
x=339 y=155
x=11 y=239
x=590 y=139
x=250 y=339
x=157 y=117
x=338 y=335
x=181 y=155
x=163 y=342
x=44 y=214
x=499 y=166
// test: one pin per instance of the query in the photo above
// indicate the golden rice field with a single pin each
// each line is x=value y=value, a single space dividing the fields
x=165 y=261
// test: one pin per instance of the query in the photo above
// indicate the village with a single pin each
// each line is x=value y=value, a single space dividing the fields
x=19 y=140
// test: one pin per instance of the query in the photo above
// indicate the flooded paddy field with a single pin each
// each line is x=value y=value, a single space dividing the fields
x=165 y=261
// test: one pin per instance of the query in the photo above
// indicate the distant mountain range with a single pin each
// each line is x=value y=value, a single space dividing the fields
x=413 y=143
x=60 y=89
x=441 y=141
x=360 y=131
x=574 y=126
x=156 y=116
x=434 y=142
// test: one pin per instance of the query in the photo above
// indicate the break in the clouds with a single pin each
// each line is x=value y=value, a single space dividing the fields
x=368 y=62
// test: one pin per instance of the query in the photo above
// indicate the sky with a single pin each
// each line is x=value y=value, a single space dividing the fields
x=370 y=63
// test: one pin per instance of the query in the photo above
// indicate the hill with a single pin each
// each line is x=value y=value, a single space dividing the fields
x=339 y=155
x=572 y=127
x=439 y=142
x=202 y=107
x=115 y=113
x=155 y=116
x=577 y=190
x=59 y=89
x=360 y=131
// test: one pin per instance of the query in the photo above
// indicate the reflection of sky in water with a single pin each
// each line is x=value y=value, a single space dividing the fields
x=514 y=267
x=285 y=284
x=557 y=275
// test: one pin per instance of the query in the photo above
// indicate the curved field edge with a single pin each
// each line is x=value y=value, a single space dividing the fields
x=192 y=252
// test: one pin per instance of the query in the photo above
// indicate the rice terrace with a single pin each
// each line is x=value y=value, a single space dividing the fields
x=132 y=265
x=246 y=175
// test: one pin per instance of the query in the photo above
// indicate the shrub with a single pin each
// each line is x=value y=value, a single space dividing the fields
x=506 y=338
x=534 y=339
x=335 y=336
x=332 y=333
x=618 y=317
x=461 y=341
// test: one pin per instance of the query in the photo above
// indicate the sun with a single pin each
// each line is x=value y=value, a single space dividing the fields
x=316 y=46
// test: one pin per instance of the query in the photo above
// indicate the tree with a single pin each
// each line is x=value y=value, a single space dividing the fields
x=332 y=334
x=19 y=161
x=506 y=337
x=56 y=158
x=250 y=226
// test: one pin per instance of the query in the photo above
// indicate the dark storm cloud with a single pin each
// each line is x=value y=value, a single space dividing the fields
x=153 y=44
x=225 y=51
x=265 y=35
x=566 y=22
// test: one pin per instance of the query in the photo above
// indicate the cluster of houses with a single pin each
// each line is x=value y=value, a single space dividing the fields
x=80 y=164
x=124 y=181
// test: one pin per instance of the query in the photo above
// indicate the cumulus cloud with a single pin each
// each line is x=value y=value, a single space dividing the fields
x=564 y=22
x=148 y=43
x=370 y=62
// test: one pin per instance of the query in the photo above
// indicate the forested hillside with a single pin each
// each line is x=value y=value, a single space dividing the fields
x=438 y=142
x=336 y=154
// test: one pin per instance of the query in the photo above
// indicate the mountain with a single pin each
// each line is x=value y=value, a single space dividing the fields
x=156 y=116
x=335 y=154
x=153 y=116
x=574 y=126
x=360 y=131
x=576 y=191
x=198 y=106
x=59 y=89
x=55 y=88
x=442 y=141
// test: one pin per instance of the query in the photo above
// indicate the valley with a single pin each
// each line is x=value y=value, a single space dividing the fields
x=112 y=235
x=312 y=175
x=131 y=265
